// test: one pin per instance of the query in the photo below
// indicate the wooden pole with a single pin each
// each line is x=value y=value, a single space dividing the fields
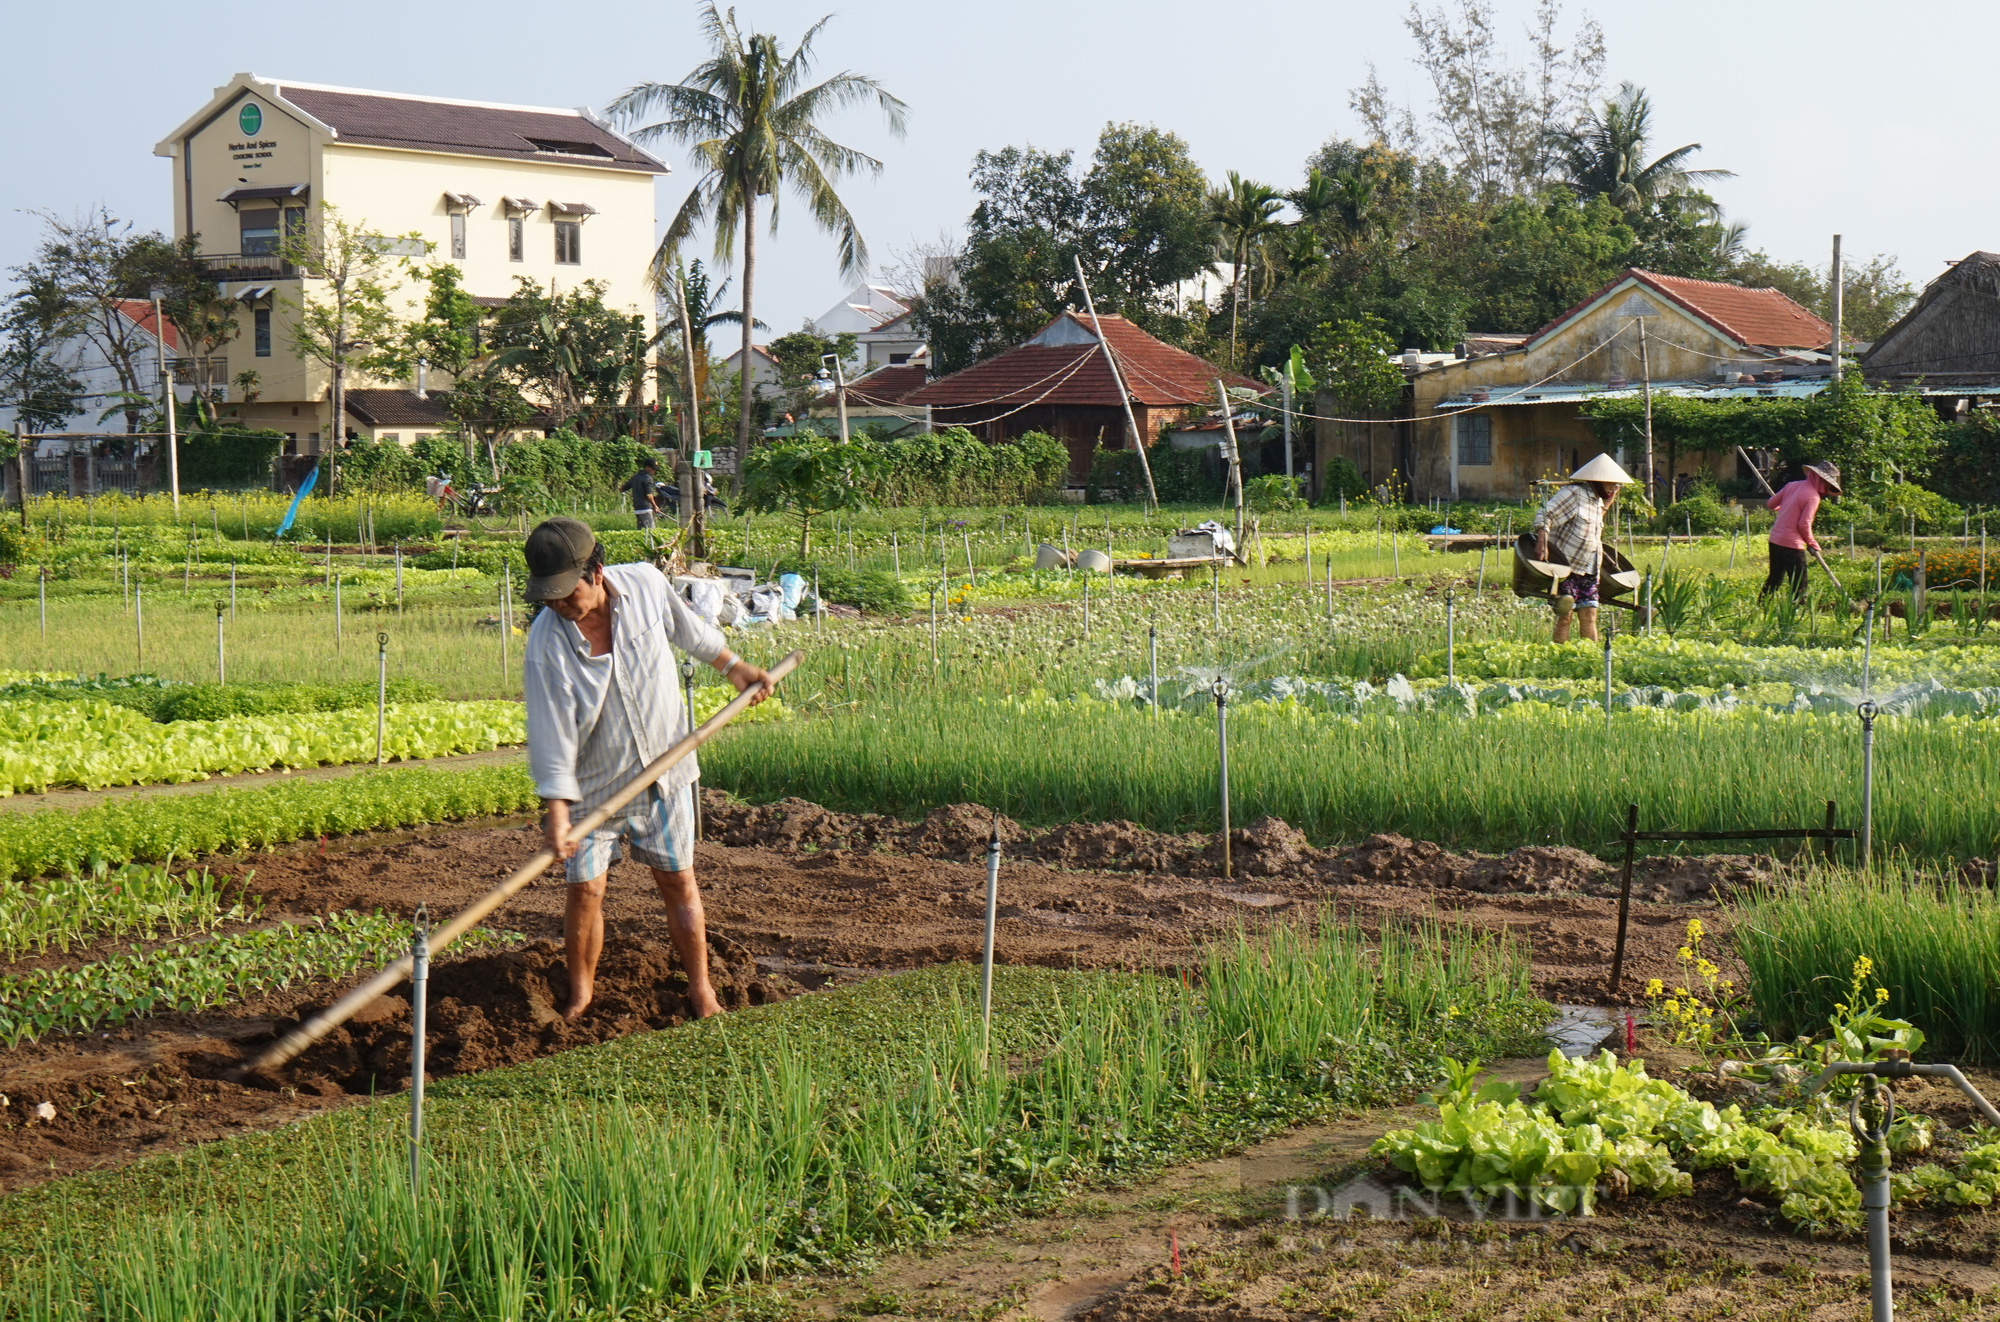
x=1837 y=278
x=299 y=1039
x=1625 y=893
x=1235 y=462
x=1118 y=379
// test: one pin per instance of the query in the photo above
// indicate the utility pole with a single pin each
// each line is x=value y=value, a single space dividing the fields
x=1837 y=282
x=1285 y=385
x=1117 y=379
x=693 y=503
x=830 y=362
x=167 y=402
x=1235 y=460
x=1646 y=389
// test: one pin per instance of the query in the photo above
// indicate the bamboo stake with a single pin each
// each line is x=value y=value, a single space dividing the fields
x=299 y=1039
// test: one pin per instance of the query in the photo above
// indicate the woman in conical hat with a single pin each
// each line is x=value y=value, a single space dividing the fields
x=1572 y=522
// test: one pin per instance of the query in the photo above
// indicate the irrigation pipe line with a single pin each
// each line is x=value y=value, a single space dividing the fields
x=299 y=1039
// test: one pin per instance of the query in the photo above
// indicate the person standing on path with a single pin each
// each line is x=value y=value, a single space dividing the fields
x=645 y=488
x=1792 y=534
x=1572 y=521
x=603 y=700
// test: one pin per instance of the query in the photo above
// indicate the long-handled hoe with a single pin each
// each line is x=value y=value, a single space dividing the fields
x=302 y=1037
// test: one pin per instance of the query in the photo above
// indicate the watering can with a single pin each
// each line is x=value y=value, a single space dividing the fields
x=1616 y=578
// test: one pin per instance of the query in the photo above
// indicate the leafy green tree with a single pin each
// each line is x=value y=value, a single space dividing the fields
x=203 y=319
x=445 y=338
x=96 y=263
x=810 y=475
x=1136 y=219
x=1146 y=218
x=705 y=313
x=34 y=380
x=800 y=357
x=1352 y=362
x=1605 y=156
x=1493 y=119
x=752 y=121
x=577 y=357
x=1244 y=212
x=344 y=320
x=1535 y=257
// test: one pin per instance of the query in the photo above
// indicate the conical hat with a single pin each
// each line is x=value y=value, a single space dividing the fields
x=1601 y=469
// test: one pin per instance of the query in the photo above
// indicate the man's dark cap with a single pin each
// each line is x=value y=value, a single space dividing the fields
x=650 y=463
x=557 y=551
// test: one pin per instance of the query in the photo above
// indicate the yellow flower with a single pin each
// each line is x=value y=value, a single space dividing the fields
x=1655 y=989
x=1686 y=955
x=1839 y=1008
x=1881 y=995
x=1694 y=929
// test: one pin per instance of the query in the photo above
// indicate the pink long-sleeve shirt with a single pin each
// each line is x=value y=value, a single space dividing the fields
x=1796 y=503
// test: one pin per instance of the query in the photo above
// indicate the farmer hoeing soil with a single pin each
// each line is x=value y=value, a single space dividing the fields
x=603 y=700
x=1792 y=533
x=1572 y=521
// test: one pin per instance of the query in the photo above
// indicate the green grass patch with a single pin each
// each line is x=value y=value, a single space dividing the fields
x=1524 y=774
x=645 y=1172
x=1936 y=949
x=186 y=826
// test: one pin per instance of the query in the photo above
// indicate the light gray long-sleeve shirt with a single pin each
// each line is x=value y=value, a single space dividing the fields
x=572 y=753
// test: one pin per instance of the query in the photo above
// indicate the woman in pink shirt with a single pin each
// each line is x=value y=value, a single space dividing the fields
x=1792 y=534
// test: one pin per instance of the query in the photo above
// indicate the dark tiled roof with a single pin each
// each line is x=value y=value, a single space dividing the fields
x=397 y=408
x=886 y=385
x=1761 y=317
x=1156 y=374
x=375 y=120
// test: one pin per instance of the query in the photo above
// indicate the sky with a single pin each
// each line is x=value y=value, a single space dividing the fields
x=1838 y=118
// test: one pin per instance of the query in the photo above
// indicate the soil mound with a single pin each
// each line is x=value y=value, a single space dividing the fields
x=507 y=1007
x=1268 y=847
x=172 y=1088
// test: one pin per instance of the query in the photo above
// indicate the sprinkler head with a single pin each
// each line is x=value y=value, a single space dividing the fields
x=381 y=640
x=221 y=606
x=1867 y=712
x=687 y=667
x=1220 y=688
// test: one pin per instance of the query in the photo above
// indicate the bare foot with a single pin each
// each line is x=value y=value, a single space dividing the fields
x=706 y=1006
x=579 y=1005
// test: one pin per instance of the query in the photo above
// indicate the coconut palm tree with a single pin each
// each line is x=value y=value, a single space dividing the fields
x=1244 y=213
x=749 y=118
x=1605 y=156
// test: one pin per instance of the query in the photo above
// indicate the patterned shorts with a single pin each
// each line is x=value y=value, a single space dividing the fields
x=1580 y=588
x=658 y=830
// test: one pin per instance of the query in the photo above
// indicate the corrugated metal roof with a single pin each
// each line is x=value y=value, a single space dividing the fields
x=1573 y=392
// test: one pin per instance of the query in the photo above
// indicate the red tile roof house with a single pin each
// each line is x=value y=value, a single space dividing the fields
x=1058 y=382
x=1489 y=425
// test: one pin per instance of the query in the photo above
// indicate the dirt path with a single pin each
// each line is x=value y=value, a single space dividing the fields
x=1256 y=1243
x=788 y=908
x=76 y=800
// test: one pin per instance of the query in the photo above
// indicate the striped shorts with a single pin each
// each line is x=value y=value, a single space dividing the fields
x=657 y=829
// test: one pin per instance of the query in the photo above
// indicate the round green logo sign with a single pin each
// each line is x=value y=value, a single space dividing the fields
x=250 y=118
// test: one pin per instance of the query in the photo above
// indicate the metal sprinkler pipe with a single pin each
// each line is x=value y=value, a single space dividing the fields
x=1867 y=712
x=1221 y=691
x=1867 y=647
x=336 y=615
x=232 y=589
x=1608 y=629
x=1869 y=1116
x=1215 y=590
x=381 y=693
x=992 y=918
x=220 y=606
x=42 y=595
x=420 y=973
x=1450 y=641
x=1086 y=608
x=934 y=633
x=1153 y=667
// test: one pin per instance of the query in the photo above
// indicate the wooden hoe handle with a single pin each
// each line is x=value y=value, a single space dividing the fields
x=302 y=1037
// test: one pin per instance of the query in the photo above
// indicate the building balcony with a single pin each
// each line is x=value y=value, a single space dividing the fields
x=230 y=266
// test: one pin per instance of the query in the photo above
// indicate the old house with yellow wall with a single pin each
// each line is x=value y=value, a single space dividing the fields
x=501 y=191
x=1486 y=426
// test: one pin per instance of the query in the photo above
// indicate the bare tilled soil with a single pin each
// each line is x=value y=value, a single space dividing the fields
x=797 y=896
x=1307 y=1226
